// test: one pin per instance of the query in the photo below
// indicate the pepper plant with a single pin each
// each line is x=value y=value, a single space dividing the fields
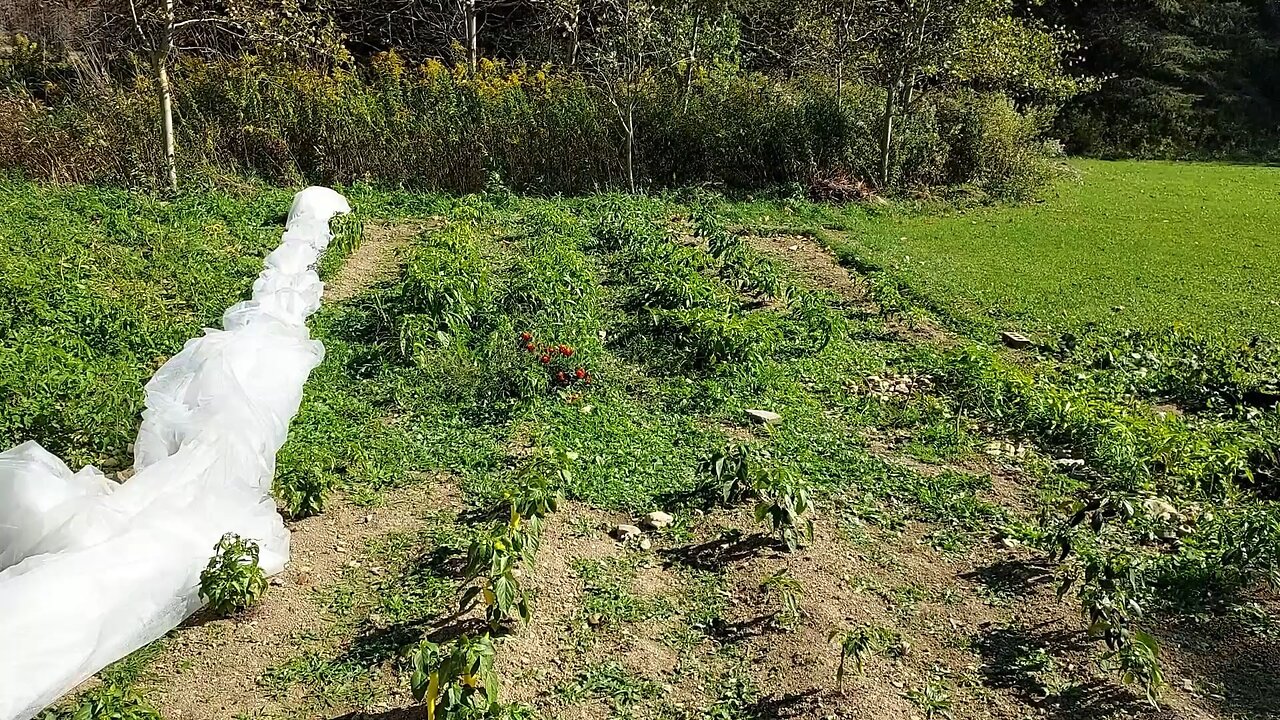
x=457 y=680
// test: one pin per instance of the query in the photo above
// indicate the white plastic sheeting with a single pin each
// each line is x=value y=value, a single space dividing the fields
x=91 y=570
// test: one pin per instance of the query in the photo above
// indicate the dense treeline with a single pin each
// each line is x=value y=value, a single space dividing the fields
x=574 y=95
x=1180 y=78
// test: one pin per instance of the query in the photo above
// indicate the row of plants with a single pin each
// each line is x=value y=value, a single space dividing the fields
x=723 y=308
x=457 y=679
x=1162 y=514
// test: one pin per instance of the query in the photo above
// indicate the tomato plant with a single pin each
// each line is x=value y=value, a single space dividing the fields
x=233 y=580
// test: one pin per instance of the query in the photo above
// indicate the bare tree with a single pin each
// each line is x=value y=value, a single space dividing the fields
x=622 y=54
x=908 y=39
x=156 y=26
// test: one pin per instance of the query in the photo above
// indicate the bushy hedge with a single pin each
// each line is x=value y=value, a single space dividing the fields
x=431 y=126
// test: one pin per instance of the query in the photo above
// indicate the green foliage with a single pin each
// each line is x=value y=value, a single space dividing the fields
x=784 y=500
x=859 y=646
x=99 y=287
x=302 y=493
x=106 y=702
x=538 y=489
x=788 y=591
x=400 y=126
x=493 y=559
x=706 y=339
x=233 y=581
x=735 y=469
x=933 y=699
x=456 y=681
x=445 y=289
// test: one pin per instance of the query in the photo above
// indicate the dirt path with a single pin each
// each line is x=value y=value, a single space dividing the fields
x=381 y=250
x=210 y=668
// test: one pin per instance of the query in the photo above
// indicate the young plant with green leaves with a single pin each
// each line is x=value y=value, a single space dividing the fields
x=859 y=646
x=457 y=680
x=493 y=563
x=784 y=500
x=788 y=591
x=933 y=699
x=233 y=581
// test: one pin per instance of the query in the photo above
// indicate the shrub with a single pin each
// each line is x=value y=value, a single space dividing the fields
x=989 y=143
x=431 y=126
x=233 y=581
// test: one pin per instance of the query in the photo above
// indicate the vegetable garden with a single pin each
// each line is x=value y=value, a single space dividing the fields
x=673 y=472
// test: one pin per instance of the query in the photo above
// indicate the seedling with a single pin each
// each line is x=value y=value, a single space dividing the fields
x=784 y=500
x=788 y=591
x=233 y=580
x=860 y=646
x=934 y=700
x=456 y=681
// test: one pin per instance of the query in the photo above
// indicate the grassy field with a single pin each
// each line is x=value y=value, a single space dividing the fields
x=952 y=487
x=1121 y=244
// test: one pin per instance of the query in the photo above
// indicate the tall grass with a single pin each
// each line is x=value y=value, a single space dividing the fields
x=431 y=126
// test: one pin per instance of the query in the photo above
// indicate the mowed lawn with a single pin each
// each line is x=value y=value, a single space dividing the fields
x=1123 y=244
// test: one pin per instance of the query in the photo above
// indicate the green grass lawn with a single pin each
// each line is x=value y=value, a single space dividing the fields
x=1188 y=244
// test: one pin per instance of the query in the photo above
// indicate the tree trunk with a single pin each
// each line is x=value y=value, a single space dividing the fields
x=159 y=63
x=840 y=84
x=693 y=60
x=886 y=138
x=473 y=41
x=631 y=149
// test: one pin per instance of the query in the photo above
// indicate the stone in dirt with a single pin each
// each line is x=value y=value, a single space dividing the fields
x=658 y=519
x=764 y=417
x=626 y=532
x=1015 y=340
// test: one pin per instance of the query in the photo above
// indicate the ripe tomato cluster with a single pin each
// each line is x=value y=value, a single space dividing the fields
x=557 y=360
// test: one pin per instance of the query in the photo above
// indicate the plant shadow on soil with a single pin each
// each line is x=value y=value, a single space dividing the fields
x=1238 y=664
x=1005 y=652
x=718 y=553
x=1011 y=578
